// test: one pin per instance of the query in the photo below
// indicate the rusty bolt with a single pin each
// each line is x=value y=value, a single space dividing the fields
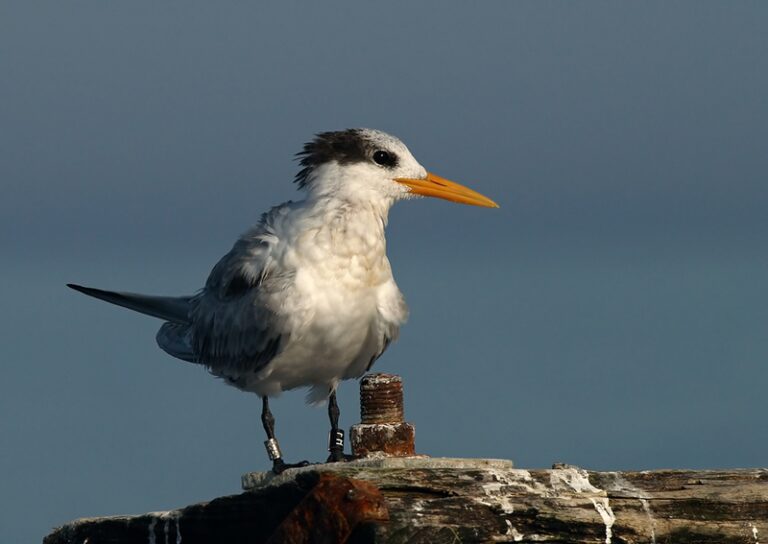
x=382 y=429
x=381 y=399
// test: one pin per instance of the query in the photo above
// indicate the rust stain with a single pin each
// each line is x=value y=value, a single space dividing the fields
x=381 y=399
x=331 y=511
x=392 y=439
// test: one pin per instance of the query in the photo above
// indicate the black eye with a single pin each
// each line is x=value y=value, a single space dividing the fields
x=384 y=158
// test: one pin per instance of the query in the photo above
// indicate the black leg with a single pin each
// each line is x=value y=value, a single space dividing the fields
x=336 y=436
x=273 y=448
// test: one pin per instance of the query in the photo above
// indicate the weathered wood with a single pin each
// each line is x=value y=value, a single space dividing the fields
x=248 y=517
x=472 y=500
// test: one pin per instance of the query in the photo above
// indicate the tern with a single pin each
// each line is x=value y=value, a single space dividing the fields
x=306 y=298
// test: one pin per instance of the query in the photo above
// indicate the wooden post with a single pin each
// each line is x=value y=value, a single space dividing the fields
x=474 y=500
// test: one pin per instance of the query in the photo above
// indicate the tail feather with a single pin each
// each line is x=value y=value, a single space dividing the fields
x=173 y=309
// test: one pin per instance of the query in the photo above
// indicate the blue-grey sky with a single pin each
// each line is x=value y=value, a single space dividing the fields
x=612 y=314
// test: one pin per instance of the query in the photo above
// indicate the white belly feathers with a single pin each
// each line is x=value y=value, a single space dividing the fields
x=341 y=309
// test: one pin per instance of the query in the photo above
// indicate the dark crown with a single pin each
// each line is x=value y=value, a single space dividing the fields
x=343 y=146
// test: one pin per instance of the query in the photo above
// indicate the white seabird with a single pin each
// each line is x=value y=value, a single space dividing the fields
x=306 y=298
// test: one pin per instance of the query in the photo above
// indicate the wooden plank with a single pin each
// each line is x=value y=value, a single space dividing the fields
x=475 y=500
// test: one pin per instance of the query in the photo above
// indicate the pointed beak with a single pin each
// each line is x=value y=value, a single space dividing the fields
x=434 y=185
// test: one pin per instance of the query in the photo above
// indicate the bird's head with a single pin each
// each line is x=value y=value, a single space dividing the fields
x=365 y=165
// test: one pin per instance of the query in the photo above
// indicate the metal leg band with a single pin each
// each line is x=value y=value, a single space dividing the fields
x=273 y=449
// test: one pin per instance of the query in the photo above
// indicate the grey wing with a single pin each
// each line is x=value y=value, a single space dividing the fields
x=232 y=330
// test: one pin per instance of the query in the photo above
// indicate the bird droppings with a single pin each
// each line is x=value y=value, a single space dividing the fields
x=578 y=480
x=505 y=487
x=514 y=533
x=619 y=485
x=604 y=509
x=498 y=490
x=168 y=517
x=651 y=521
x=478 y=500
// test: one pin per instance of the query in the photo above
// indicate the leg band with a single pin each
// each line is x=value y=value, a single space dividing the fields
x=273 y=449
x=336 y=440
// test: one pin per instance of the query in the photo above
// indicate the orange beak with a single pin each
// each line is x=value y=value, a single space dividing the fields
x=436 y=186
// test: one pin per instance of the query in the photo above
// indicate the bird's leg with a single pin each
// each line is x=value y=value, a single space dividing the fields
x=336 y=435
x=273 y=448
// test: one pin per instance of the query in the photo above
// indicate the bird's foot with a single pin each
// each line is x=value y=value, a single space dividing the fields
x=276 y=456
x=279 y=466
x=338 y=456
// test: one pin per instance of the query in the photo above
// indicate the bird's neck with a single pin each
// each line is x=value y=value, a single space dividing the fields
x=342 y=212
x=347 y=232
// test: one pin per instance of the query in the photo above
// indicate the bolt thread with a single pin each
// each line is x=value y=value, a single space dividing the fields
x=381 y=399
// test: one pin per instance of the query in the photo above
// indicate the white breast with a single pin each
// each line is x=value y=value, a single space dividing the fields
x=342 y=306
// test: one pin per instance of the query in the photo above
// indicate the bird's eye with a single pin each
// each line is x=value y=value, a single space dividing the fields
x=384 y=158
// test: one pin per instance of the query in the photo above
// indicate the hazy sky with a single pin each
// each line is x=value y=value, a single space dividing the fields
x=612 y=314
